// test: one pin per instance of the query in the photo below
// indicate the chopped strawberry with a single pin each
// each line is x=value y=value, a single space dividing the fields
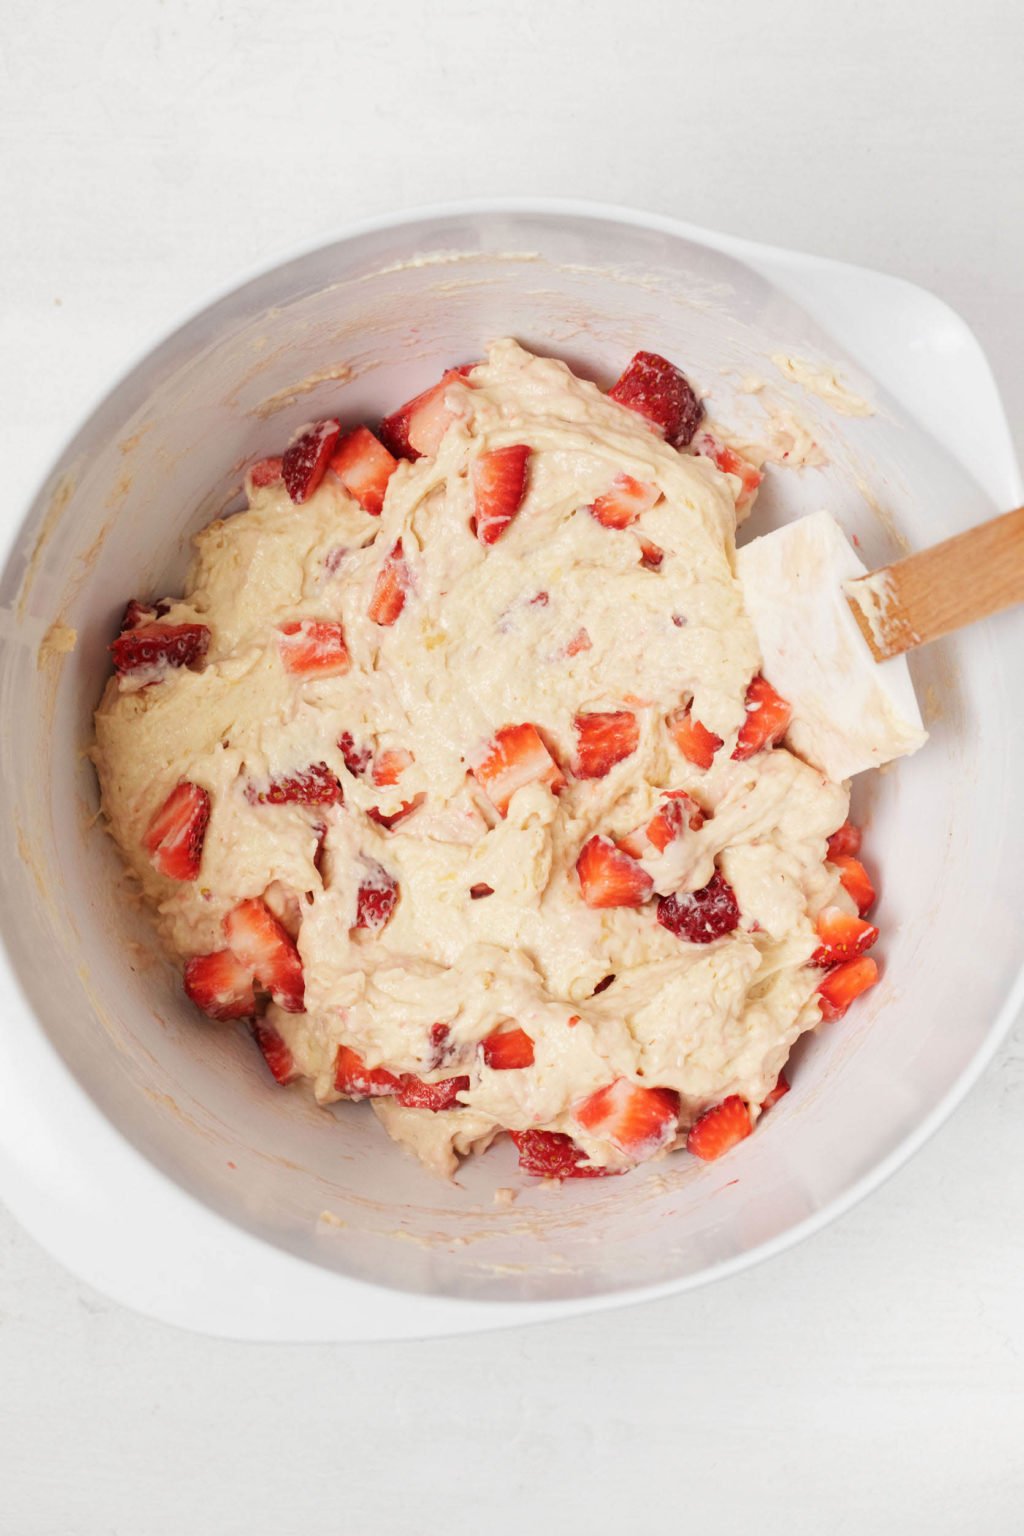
x=174 y=837
x=701 y=916
x=842 y=936
x=417 y=427
x=376 y=898
x=842 y=985
x=676 y=812
x=507 y=1050
x=610 y=878
x=779 y=1091
x=220 y=985
x=845 y=841
x=579 y=643
x=651 y=554
x=388 y=767
x=697 y=744
x=390 y=819
x=356 y=1080
x=364 y=467
x=275 y=1053
x=313 y=648
x=855 y=880
x=305 y=462
x=499 y=485
x=637 y=1120
x=517 y=756
x=137 y=613
x=357 y=759
x=656 y=390
x=479 y=891
x=315 y=785
x=390 y=588
x=443 y=1046
x=155 y=647
x=604 y=740
x=624 y=503
x=550 y=1155
x=719 y=1129
x=257 y=940
x=414 y=1093
x=731 y=463
x=767 y=719
x=265 y=472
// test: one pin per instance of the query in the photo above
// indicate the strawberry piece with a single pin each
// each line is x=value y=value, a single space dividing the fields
x=364 y=467
x=550 y=1155
x=390 y=588
x=845 y=983
x=637 y=1120
x=731 y=463
x=414 y=1093
x=767 y=719
x=624 y=503
x=418 y=426
x=220 y=985
x=356 y=1080
x=656 y=390
x=517 y=756
x=388 y=767
x=579 y=643
x=609 y=877
x=257 y=940
x=842 y=936
x=137 y=613
x=305 y=462
x=392 y=818
x=265 y=472
x=155 y=647
x=315 y=785
x=778 y=1092
x=651 y=554
x=275 y=1052
x=697 y=744
x=844 y=842
x=701 y=916
x=376 y=898
x=855 y=880
x=174 y=837
x=719 y=1129
x=478 y=892
x=313 y=648
x=499 y=485
x=508 y=1050
x=357 y=759
x=676 y=812
x=604 y=740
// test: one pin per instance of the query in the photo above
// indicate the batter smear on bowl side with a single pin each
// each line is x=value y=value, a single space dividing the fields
x=454 y=774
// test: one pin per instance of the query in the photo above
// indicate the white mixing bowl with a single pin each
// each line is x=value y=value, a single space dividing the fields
x=148 y=1149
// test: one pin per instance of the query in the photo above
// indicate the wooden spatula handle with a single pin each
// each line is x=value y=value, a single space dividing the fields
x=941 y=589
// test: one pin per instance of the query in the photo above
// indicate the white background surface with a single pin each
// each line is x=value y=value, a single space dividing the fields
x=870 y=1381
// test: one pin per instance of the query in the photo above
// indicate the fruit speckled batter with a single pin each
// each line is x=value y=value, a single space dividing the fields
x=454 y=774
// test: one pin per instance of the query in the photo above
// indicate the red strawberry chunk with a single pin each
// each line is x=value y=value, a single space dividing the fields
x=731 y=463
x=651 y=554
x=778 y=1092
x=357 y=759
x=550 y=1155
x=174 y=837
x=155 y=647
x=655 y=389
x=258 y=941
x=604 y=740
x=499 y=485
x=719 y=1129
x=479 y=891
x=364 y=467
x=697 y=744
x=392 y=818
x=767 y=719
x=315 y=785
x=220 y=985
x=624 y=503
x=842 y=936
x=676 y=812
x=313 y=648
x=275 y=1052
x=842 y=985
x=389 y=590
x=845 y=841
x=609 y=877
x=701 y=916
x=417 y=427
x=356 y=1080
x=265 y=472
x=516 y=757
x=305 y=462
x=579 y=643
x=508 y=1050
x=414 y=1093
x=638 y=1121
x=388 y=767
x=137 y=613
x=855 y=880
x=376 y=898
